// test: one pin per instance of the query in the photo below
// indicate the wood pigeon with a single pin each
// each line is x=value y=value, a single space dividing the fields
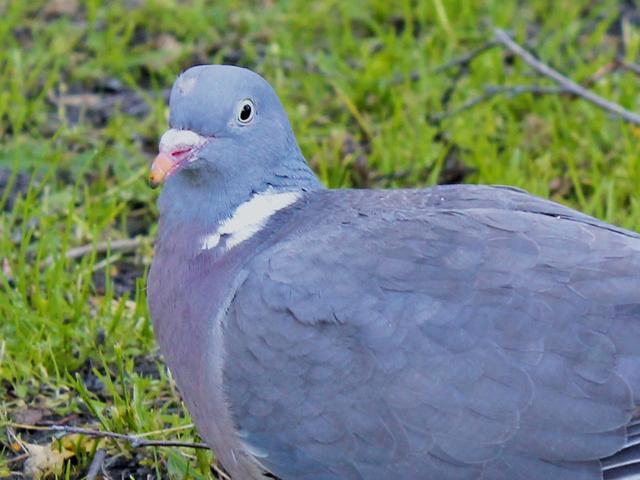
x=455 y=332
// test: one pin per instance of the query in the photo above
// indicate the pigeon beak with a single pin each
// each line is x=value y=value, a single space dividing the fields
x=177 y=148
x=161 y=166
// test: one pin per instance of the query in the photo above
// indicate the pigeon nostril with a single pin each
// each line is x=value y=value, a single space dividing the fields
x=180 y=153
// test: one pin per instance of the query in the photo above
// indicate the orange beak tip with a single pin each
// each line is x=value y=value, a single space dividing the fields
x=153 y=183
x=160 y=167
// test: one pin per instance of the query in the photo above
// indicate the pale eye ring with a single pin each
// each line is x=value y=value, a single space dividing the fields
x=246 y=111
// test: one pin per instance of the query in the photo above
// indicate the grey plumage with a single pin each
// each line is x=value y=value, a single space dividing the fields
x=459 y=332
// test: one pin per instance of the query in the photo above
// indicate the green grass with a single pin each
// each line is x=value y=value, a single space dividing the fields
x=82 y=88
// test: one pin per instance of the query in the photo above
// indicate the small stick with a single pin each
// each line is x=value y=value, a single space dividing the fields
x=112 y=246
x=24 y=426
x=123 y=245
x=565 y=82
x=96 y=464
x=467 y=58
x=166 y=430
x=490 y=92
x=19 y=458
x=133 y=440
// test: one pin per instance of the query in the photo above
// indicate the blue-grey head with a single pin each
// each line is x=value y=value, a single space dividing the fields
x=229 y=139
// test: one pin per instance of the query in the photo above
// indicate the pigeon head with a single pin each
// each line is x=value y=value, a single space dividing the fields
x=229 y=136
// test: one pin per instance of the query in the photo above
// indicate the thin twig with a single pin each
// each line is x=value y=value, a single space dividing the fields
x=25 y=426
x=96 y=464
x=490 y=92
x=565 y=82
x=467 y=58
x=19 y=458
x=123 y=245
x=133 y=440
x=164 y=431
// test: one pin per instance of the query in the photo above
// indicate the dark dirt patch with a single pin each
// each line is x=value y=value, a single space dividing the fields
x=13 y=185
x=122 y=467
x=148 y=365
x=123 y=275
x=98 y=105
x=454 y=169
x=139 y=220
x=91 y=381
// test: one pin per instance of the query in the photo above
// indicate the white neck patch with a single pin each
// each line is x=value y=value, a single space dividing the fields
x=249 y=218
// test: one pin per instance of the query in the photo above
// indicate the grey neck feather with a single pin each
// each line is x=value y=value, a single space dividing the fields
x=194 y=201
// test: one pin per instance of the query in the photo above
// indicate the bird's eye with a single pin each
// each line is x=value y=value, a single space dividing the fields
x=246 y=111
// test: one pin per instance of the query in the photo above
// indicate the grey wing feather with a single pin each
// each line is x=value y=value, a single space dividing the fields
x=455 y=337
